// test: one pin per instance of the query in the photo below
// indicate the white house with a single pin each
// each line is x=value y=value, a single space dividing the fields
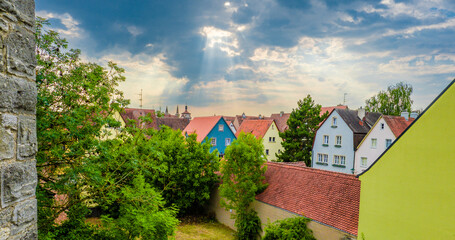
x=378 y=139
x=337 y=138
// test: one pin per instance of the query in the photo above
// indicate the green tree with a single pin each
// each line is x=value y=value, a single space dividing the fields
x=74 y=102
x=242 y=174
x=395 y=100
x=302 y=125
x=77 y=169
x=289 y=228
x=189 y=175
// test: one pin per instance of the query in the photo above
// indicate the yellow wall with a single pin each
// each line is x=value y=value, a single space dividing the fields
x=268 y=214
x=272 y=146
x=112 y=132
x=409 y=193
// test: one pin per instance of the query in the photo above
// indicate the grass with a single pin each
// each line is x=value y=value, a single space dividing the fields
x=203 y=231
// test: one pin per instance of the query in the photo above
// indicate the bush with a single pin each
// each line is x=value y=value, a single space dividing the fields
x=290 y=228
x=248 y=225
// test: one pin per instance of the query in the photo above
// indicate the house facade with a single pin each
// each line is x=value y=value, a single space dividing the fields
x=337 y=138
x=409 y=191
x=379 y=138
x=267 y=130
x=213 y=129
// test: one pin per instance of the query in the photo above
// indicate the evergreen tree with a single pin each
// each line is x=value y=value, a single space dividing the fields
x=302 y=125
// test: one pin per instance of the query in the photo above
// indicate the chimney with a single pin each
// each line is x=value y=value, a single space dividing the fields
x=281 y=113
x=361 y=113
x=414 y=115
x=405 y=115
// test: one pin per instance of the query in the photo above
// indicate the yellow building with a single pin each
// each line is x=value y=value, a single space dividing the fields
x=268 y=131
x=409 y=192
x=112 y=132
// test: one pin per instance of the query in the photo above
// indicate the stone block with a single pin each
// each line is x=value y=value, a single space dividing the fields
x=5 y=216
x=4 y=232
x=26 y=138
x=18 y=182
x=7 y=144
x=17 y=95
x=20 y=47
x=8 y=121
x=25 y=212
x=24 y=233
x=24 y=10
x=3 y=26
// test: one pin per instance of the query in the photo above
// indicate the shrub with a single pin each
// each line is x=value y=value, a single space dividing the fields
x=290 y=228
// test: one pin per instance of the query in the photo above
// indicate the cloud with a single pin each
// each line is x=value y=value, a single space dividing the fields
x=71 y=29
x=134 y=30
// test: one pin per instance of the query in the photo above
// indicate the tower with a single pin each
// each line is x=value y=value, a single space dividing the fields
x=186 y=114
x=177 y=114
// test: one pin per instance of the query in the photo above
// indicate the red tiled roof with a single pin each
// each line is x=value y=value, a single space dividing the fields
x=329 y=109
x=172 y=122
x=201 y=126
x=257 y=127
x=397 y=124
x=328 y=197
x=135 y=113
x=281 y=120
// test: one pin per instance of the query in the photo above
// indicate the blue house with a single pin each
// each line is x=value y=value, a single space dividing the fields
x=337 y=138
x=213 y=129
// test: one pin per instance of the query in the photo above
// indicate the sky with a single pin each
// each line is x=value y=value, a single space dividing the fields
x=262 y=56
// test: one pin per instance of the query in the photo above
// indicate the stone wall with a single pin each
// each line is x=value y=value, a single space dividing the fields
x=18 y=143
x=269 y=214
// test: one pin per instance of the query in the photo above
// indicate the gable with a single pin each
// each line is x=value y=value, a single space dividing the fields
x=412 y=182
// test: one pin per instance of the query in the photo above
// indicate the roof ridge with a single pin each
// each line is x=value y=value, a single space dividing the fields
x=301 y=168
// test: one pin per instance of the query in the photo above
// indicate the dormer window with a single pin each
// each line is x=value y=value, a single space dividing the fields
x=221 y=128
x=382 y=125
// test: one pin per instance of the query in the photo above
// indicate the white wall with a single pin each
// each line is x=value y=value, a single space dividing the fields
x=346 y=149
x=365 y=150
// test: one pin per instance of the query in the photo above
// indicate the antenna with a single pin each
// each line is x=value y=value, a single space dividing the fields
x=344 y=98
x=140 y=99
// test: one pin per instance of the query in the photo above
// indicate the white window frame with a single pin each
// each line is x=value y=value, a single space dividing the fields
x=323 y=158
x=324 y=139
x=227 y=141
x=375 y=141
x=339 y=160
x=220 y=128
x=336 y=140
x=362 y=163
x=387 y=146
x=334 y=121
x=213 y=141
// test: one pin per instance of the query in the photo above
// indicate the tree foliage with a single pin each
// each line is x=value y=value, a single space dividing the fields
x=395 y=100
x=74 y=102
x=289 y=228
x=242 y=178
x=302 y=125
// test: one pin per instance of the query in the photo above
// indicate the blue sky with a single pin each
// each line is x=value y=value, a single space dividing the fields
x=262 y=56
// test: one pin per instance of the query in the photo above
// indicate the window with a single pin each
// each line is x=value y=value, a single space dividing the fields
x=267 y=152
x=363 y=161
x=388 y=142
x=272 y=127
x=221 y=155
x=270 y=139
x=221 y=128
x=326 y=139
x=338 y=140
x=227 y=141
x=374 y=142
x=279 y=151
x=382 y=125
x=213 y=141
x=334 y=121
x=273 y=139
x=339 y=160
x=323 y=158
